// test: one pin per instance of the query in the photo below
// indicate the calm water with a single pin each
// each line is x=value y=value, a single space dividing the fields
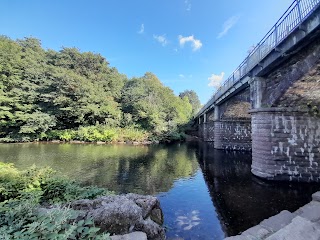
x=204 y=193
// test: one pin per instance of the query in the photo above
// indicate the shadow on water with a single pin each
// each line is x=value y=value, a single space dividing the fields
x=241 y=199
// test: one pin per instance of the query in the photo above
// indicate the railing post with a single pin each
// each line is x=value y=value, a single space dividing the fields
x=299 y=11
x=275 y=35
x=259 y=52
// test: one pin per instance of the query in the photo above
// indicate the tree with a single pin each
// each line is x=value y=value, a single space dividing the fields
x=193 y=99
x=43 y=90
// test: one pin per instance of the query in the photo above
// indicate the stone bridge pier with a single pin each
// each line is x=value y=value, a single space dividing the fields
x=285 y=119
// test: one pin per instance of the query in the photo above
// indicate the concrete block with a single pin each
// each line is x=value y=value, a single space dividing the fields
x=275 y=223
x=256 y=232
x=298 y=229
x=310 y=211
x=316 y=196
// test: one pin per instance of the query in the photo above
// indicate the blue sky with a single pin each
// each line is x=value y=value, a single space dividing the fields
x=186 y=43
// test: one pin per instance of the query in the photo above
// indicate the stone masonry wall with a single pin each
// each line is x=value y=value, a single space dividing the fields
x=201 y=131
x=286 y=145
x=232 y=135
x=278 y=81
x=236 y=107
x=208 y=132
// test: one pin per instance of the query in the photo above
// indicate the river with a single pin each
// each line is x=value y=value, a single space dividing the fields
x=204 y=193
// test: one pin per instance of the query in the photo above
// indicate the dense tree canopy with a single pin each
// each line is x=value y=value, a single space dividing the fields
x=193 y=99
x=43 y=90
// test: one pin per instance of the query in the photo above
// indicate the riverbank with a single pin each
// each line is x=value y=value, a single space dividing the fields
x=304 y=223
x=35 y=203
x=100 y=135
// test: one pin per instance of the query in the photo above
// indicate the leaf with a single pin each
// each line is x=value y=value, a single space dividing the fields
x=80 y=223
x=80 y=229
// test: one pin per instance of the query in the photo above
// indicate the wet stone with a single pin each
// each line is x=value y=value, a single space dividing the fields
x=298 y=229
x=311 y=211
x=278 y=221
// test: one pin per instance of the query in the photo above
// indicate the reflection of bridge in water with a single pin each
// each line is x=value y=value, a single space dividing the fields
x=278 y=84
x=242 y=200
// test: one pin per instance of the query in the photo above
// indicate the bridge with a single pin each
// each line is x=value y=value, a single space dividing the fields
x=270 y=104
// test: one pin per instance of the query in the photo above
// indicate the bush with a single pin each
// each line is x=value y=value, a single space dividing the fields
x=22 y=192
x=22 y=220
x=98 y=133
x=14 y=183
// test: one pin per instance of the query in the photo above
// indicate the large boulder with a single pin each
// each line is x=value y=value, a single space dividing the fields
x=122 y=214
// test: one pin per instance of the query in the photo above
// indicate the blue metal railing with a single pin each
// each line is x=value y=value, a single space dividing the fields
x=298 y=11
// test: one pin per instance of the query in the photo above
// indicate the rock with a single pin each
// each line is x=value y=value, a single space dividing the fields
x=122 y=214
x=316 y=196
x=298 y=229
x=278 y=221
x=257 y=232
x=310 y=211
x=131 y=236
x=76 y=141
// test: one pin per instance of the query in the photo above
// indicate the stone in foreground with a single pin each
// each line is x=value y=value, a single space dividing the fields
x=131 y=236
x=298 y=229
x=123 y=214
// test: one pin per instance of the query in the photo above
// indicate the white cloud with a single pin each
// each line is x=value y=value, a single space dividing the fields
x=188 y=5
x=227 y=25
x=161 y=39
x=215 y=80
x=195 y=43
x=141 y=29
x=181 y=75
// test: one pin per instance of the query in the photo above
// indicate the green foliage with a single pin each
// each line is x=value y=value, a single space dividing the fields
x=153 y=106
x=99 y=133
x=14 y=184
x=22 y=220
x=43 y=92
x=193 y=99
x=21 y=216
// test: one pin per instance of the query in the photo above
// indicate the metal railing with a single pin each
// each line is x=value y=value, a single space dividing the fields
x=298 y=11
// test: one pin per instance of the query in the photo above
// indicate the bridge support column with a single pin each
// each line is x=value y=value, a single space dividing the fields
x=257 y=87
x=208 y=130
x=285 y=145
x=216 y=116
x=232 y=135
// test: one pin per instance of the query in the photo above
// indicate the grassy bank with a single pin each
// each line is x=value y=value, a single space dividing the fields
x=23 y=193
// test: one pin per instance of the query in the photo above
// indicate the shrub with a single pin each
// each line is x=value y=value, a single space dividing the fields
x=22 y=192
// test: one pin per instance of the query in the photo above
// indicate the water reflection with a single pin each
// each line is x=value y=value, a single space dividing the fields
x=242 y=200
x=205 y=193
x=121 y=168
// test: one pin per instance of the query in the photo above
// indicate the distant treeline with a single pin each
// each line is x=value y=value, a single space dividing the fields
x=45 y=94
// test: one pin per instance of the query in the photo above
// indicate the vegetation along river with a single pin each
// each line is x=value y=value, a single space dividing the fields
x=204 y=193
